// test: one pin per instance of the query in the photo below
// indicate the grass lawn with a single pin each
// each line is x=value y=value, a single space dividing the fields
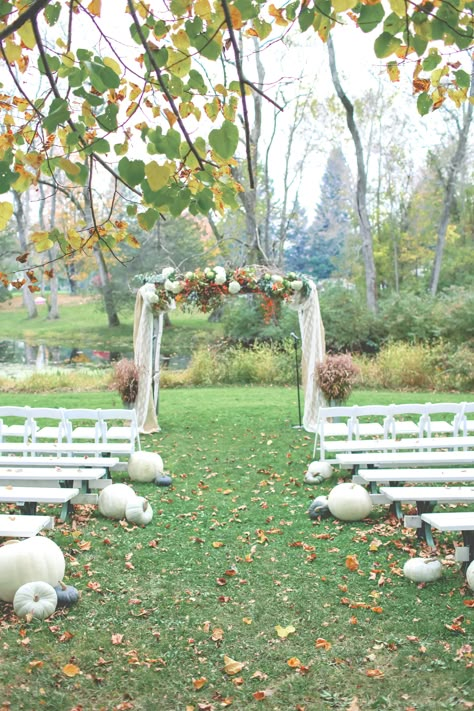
x=231 y=566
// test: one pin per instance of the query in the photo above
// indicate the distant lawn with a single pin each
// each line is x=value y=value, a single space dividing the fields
x=83 y=323
x=229 y=557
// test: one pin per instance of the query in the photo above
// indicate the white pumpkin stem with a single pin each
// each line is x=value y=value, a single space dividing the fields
x=145 y=505
x=62 y=585
x=36 y=597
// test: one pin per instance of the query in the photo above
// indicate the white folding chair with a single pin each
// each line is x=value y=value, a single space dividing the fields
x=464 y=424
x=89 y=432
x=454 y=409
x=16 y=430
x=127 y=430
x=42 y=431
x=394 y=427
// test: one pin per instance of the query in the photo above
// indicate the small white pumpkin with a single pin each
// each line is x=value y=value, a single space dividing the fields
x=35 y=558
x=37 y=599
x=144 y=466
x=423 y=570
x=113 y=500
x=470 y=575
x=317 y=472
x=139 y=511
x=349 y=502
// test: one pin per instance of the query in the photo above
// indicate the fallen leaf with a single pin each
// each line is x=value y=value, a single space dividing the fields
x=117 y=638
x=217 y=544
x=217 y=634
x=199 y=683
x=71 y=670
x=247 y=620
x=283 y=632
x=354 y=705
x=294 y=662
x=352 y=562
x=322 y=644
x=231 y=666
x=468 y=603
x=375 y=673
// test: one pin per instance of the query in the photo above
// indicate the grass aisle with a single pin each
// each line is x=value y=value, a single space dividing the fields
x=231 y=566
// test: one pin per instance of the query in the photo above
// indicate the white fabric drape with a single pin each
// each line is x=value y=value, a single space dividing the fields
x=143 y=356
x=313 y=349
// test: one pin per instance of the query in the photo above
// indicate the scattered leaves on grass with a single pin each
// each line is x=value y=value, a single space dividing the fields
x=352 y=562
x=199 y=683
x=322 y=644
x=375 y=673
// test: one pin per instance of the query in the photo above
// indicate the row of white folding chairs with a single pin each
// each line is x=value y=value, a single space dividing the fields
x=101 y=424
x=345 y=422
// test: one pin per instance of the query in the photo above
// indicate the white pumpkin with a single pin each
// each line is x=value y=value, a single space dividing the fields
x=470 y=575
x=37 y=599
x=139 y=511
x=423 y=570
x=144 y=466
x=317 y=472
x=35 y=558
x=113 y=500
x=349 y=502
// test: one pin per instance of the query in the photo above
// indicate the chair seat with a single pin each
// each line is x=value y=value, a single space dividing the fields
x=119 y=432
x=84 y=433
x=50 y=432
x=13 y=430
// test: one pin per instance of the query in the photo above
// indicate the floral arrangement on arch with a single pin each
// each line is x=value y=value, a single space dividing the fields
x=205 y=288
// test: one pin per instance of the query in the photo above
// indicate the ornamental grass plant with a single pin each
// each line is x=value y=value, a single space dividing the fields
x=336 y=376
x=125 y=380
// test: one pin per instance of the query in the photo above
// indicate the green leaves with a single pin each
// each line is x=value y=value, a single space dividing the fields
x=386 y=44
x=224 y=140
x=424 y=103
x=58 y=114
x=132 y=171
x=370 y=16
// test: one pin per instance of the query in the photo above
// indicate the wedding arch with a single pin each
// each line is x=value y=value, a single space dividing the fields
x=205 y=289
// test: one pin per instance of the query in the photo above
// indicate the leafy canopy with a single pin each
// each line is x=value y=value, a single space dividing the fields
x=148 y=110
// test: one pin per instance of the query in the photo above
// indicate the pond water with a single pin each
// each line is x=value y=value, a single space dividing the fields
x=41 y=356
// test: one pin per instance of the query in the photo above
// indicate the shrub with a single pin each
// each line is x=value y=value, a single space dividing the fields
x=336 y=376
x=454 y=314
x=348 y=324
x=126 y=380
x=399 y=366
x=244 y=321
x=409 y=317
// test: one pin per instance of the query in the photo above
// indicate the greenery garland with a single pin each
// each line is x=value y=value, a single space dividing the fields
x=205 y=289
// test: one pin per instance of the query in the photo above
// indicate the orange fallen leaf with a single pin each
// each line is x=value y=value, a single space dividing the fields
x=468 y=603
x=217 y=544
x=199 y=683
x=352 y=562
x=294 y=662
x=247 y=620
x=283 y=632
x=217 y=634
x=260 y=695
x=353 y=620
x=36 y=663
x=231 y=666
x=322 y=644
x=117 y=638
x=71 y=670
x=375 y=673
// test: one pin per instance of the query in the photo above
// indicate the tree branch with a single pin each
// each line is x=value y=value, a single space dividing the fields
x=30 y=14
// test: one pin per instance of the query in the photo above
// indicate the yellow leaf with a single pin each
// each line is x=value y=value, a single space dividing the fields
x=41 y=241
x=94 y=7
x=343 y=5
x=27 y=35
x=393 y=71
x=170 y=116
x=71 y=670
x=398 y=7
x=217 y=544
x=113 y=65
x=202 y=9
x=157 y=175
x=69 y=167
x=247 y=620
x=181 y=40
x=6 y=211
x=283 y=632
x=199 y=683
x=74 y=239
x=12 y=51
x=68 y=59
x=231 y=666
x=236 y=17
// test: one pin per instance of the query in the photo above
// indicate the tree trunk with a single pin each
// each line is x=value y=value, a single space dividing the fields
x=53 y=309
x=361 y=194
x=104 y=277
x=450 y=187
x=28 y=298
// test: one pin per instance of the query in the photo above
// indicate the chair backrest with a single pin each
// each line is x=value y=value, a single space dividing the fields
x=22 y=429
x=453 y=409
x=463 y=417
x=362 y=411
x=49 y=413
x=90 y=418
x=395 y=411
